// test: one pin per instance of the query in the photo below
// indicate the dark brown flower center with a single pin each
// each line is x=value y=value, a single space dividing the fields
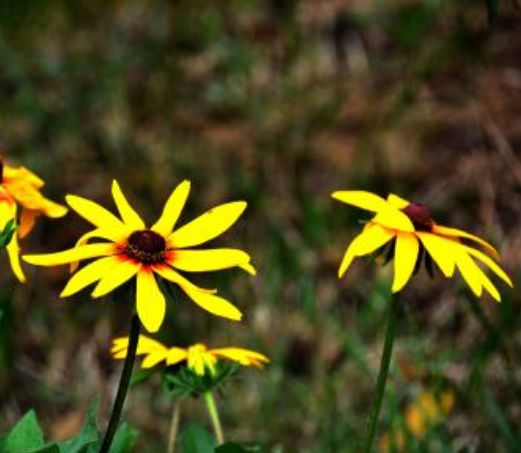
x=420 y=216
x=146 y=246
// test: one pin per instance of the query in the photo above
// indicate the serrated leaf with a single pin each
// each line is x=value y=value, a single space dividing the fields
x=196 y=439
x=87 y=436
x=25 y=436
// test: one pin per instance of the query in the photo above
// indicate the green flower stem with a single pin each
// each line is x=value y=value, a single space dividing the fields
x=174 y=427
x=124 y=383
x=382 y=374
x=214 y=416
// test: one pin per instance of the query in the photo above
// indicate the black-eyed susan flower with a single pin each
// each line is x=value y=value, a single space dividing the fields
x=129 y=249
x=413 y=233
x=198 y=357
x=20 y=188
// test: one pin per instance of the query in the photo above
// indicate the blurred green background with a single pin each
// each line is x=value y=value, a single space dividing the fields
x=278 y=103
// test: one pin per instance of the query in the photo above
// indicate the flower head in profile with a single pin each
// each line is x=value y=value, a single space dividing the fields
x=198 y=357
x=411 y=234
x=128 y=249
x=20 y=193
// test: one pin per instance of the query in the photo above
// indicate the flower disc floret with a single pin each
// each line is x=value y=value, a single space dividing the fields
x=146 y=246
x=420 y=216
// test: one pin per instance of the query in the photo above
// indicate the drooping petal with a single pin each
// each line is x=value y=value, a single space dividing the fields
x=130 y=217
x=13 y=251
x=170 y=274
x=454 y=232
x=362 y=199
x=441 y=251
x=176 y=355
x=27 y=221
x=120 y=273
x=152 y=359
x=89 y=274
x=214 y=304
x=405 y=256
x=99 y=216
x=395 y=219
x=244 y=357
x=487 y=261
x=470 y=272
x=209 y=259
x=75 y=254
x=145 y=345
x=8 y=213
x=208 y=225
x=397 y=202
x=172 y=209
x=150 y=302
x=371 y=238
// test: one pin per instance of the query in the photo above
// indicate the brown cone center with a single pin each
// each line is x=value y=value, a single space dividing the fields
x=420 y=216
x=146 y=246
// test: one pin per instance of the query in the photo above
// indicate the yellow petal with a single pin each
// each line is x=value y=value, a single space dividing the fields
x=52 y=209
x=89 y=274
x=128 y=214
x=99 y=216
x=208 y=225
x=490 y=263
x=170 y=274
x=172 y=209
x=441 y=251
x=214 y=304
x=405 y=256
x=371 y=238
x=120 y=273
x=27 y=221
x=145 y=345
x=470 y=271
x=97 y=233
x=176 y=355
x=152 y=359
x=150 y=302
x=361 y=199
x=475 y=277
x=245 y=357
x=395 y=219
x=67 y=256
x=209 y=260
x=13 y=251
x=397 y=202
x=454 y=232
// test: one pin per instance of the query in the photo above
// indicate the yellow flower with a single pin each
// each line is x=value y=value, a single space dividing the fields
x=198 y=357
x=19 y=186
x=414 y=233
x=131 y=250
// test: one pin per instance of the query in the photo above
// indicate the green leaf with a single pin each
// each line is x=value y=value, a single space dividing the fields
x=87 y=437
x=25 y=436
x=492 y=10
x=195 y=439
